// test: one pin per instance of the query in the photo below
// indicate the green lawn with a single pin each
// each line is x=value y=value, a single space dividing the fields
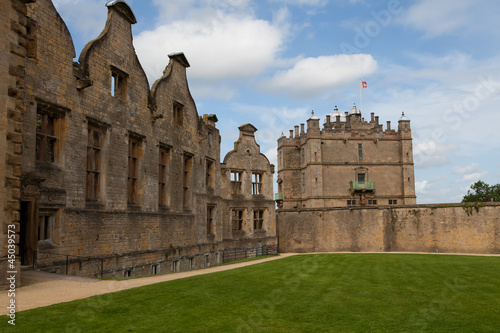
x=307 y=293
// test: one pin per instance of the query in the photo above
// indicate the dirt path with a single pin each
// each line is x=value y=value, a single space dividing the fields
x=42 y=289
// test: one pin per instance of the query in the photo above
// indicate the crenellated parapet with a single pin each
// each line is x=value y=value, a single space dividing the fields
x=346 y=160
x=349 y=125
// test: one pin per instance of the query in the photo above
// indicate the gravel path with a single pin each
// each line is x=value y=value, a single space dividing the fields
x=42 y=289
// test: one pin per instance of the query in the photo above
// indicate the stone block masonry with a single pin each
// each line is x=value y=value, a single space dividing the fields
x=449 y=228
x=97 y=163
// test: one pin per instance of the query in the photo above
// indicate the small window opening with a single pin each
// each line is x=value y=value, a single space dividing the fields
x=119 y=88
x=361 y=178
x=236 y=177
x=210 y=219
x=133 y=169
x=237 y=219
x=94 y=146
x=258 y=219
x=188 y=164
x=256 y=183
x=163 y=193
x=210 y=175
x=46 y=223
x=178 y=115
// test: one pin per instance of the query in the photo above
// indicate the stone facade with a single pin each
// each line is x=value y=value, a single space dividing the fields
x=248 y=190
x=13 y=51
x=449 y=228
x=348 y=162
x=110 y=170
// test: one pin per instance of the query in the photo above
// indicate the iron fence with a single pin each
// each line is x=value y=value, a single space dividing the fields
x=99 y=267
x=235 y=254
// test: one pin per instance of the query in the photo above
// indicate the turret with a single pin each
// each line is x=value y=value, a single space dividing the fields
x=313 y=123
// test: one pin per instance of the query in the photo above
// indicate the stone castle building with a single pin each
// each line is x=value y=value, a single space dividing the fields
x=346 y=162
x=99 y=165
x=104 y=174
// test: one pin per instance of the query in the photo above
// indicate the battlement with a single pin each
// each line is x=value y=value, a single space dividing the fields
x=350 y=124
x=346 y=161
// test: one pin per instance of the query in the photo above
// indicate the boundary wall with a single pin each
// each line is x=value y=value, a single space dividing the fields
x=447 y=228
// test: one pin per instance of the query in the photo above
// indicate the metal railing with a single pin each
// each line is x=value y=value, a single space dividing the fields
x=98 y=267
x=362 y=186
x=235 y=254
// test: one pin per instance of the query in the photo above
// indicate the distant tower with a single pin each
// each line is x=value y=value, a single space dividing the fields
x=348 y=162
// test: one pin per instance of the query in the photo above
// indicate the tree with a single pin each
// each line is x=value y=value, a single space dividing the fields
x=482 y=192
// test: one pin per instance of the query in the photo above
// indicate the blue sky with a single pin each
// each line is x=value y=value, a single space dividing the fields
x=271 y=62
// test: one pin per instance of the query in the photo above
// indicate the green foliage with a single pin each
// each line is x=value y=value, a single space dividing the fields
x=481 y=192
x=303 y=293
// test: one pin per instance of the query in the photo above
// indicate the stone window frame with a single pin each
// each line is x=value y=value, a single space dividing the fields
x=257 y=182
x=155 y=269
x=351 y=202
x=211 y=209
x=135 y=142
x=176 y=266
x=360 y=150
x=178 y=114
x=164 y=158
x=361 y=171
x=236 y=177
x=209 y=173
x=372 y=202
x=187 y=170
x=48 y=223
x=258 y=218
x=94 y=162
x=49 y=114
x=393 y=201
x=119 y=84
x=237 y=219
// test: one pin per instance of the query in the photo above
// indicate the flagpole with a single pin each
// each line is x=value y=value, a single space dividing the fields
x=360 y=96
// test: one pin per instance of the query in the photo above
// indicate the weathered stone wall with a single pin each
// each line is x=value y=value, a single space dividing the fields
x=13 y=44
x=76 y=120
x=247 y=159
x=459 y=228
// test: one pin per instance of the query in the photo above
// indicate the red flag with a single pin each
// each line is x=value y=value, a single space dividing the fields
x=363 y=84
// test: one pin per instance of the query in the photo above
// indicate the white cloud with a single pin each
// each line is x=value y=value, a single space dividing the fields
x=436 y=18
x=220 y=42
x=316 y=3
x=432 y=154
x=421 y=187
x=473 y=177
x=470 y=173
x=471 y=168
x=311 y=77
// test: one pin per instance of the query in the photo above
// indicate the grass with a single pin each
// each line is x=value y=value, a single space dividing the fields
x=305 y=293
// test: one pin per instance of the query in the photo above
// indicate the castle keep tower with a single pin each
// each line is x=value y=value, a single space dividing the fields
x=347 y=162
